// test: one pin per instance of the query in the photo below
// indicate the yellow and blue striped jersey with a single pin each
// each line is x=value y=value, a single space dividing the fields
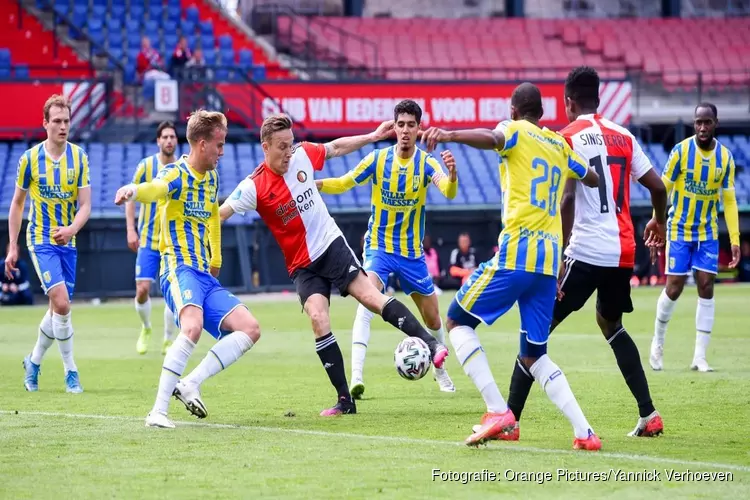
x=148 y=219
x=399 y=194
x=190 y=218
x=534 y=165
x=697 y=178
x=53 y=187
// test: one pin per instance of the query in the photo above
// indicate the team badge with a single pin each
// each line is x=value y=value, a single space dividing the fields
x=717 y=173
x=415 y=182
x=71 y=175
x=212 y=193
x=301 y=176
x=137 y=269
x=47 y=276
x=671 y=262
x=187 y=295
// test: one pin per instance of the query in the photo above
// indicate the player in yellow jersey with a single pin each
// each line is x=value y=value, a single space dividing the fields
x=190 y=246
x=145 y=240
x=535 y=163
x=400 y=176
x=56 y=175
x=699 y=174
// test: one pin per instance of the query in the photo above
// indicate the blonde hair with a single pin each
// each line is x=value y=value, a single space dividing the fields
x=202 y=123
x=272 y=124
x=59 y=101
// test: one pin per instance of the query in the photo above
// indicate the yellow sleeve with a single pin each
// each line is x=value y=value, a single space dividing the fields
x=731 y=215
x=510 y=132
x=84 y=179
x=338 y=185
x=214 y=236
x=23 y=174
x=355 y=177
x=140 y=172
x=438 y=177
x=672 y=168
x=149 y=192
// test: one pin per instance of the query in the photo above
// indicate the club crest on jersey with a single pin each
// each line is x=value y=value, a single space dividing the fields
x=717 y=173
x=71 y=175
x=415 y=182
x=47 y=276
x=302 y=176
x=212 y=193
x=187 y=295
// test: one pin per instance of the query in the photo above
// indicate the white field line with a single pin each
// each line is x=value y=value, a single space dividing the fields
x=397 y=439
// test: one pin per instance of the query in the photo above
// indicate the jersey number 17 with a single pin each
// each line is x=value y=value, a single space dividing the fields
x=613 y=162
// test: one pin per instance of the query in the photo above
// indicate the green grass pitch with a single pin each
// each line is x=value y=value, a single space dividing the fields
x=264 y=438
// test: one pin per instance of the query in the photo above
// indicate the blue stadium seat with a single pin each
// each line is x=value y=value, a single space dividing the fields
x=187 y=27
x=246 y=59
x=170 y=27
x=151 y=28
x=137 y=10
x=156 y=12
x=207 y=42
x=206 y=28
x=259 y=73
x=4 y=58
x=118 y=11
x=225 y=42
x=114 y=24
x=21 y=71
x=192 y=14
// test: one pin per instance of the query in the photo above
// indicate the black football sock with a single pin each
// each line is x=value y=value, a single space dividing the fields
x=629 y=361
x=520 y=386
x=398 y=315
x=330 y=355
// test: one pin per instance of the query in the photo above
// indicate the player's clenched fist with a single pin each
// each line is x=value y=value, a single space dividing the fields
x=450 y=162
x=125 y=193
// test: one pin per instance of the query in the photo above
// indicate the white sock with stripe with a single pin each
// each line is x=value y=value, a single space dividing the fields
x=554 y=383
x=144 y=312
x=174 y=364
x=226 y=351
x=44 y=340
x=360 y=338
x=471 y=356
x=62 y=327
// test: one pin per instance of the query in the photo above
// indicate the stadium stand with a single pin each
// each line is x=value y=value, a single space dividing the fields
x=27 y=50
x=661 y=49
x=480 y=183
x=117 y=26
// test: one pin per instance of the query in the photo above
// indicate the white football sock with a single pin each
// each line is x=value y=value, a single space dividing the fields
x=360 y=338
x=45 y=339
x=144 y=312
x=62 y=327
x=704 y=323
x=439 y=334
x=553 y=381
x=226 y=351
x=169 y=325
x=664 y=309
x=471 y=356
x=174 y=364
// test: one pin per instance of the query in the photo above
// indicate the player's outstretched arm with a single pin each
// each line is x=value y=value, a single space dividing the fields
x=148 y=192
x=480 y=138
x=357 y=176
x=345 y=145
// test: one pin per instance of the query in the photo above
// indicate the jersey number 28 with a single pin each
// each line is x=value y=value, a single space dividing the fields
x=545 y=186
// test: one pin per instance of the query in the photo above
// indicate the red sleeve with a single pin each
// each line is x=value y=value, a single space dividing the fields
x=316 y=153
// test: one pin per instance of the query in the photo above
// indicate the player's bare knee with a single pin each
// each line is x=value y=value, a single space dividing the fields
x=252 y=328
x=317 y=309
x=142 y=291
x=450 y=324
x=674 y=290
x=59 y=300
x=432 y=320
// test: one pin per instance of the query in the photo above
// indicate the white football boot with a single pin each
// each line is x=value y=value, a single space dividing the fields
x=156 y=419
x=657 y=353
x=443 y=379
x=701 y=365
x=190 y=396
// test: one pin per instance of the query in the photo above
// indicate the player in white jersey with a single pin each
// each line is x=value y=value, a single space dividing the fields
x=600 y=254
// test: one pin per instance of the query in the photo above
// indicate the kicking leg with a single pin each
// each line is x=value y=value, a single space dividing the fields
x=143 y=308
x=395 y=313
x=428 y=309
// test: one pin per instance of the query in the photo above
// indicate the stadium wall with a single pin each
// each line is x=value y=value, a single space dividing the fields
x=252 y=261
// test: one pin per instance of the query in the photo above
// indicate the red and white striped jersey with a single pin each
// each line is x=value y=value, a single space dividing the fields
x=603 y=232
x=291 y=206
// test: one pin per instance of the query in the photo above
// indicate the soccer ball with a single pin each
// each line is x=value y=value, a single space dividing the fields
x=412 y=358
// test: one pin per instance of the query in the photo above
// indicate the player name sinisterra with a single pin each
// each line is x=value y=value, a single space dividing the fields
x=575 y=475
